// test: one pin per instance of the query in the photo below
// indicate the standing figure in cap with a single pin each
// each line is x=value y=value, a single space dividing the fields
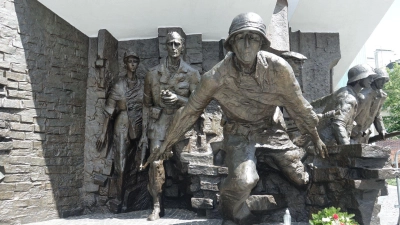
x=166 y=88
x=296 y=61
x=369 y=109
x=337 y=130
x=125 y=101
x=249 y=84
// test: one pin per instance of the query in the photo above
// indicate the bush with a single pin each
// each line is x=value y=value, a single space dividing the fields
x=332 y=216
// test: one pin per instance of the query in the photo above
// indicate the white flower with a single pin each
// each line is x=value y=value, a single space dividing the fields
x=326 y=219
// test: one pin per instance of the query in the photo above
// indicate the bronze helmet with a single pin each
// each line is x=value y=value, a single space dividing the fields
x=244 y=22
x=382 y=73
x=359 y=72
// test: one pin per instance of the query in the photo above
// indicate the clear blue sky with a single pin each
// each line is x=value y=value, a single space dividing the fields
x=387 y=34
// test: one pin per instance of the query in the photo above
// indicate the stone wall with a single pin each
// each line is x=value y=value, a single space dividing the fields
x=43 y=73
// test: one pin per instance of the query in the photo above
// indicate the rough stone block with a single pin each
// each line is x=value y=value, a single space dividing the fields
x=368 y=163
x=203 y=170
x=11 y=84
x=16 y=169
x=36 y=161
x=4 y=146
x=19 y=160
x=197 y=158
x=23 y=187
x=19 y=94
x=10 y=117
x=6 y=195
x=265 y=202
x=360 y=150
x=202 y=203
x=25 y=86
x=19 y=68
x=17 y=76
x=11 y=103
x=100 y=179
x=21 y=127
x=56 y=169
x=7 y=187
x=5 y=65
x=6 y=49
x=386 y=173
x=209 y=183
x=329 y=174
x=35 y=136
x=368 y=184
x=3 y=81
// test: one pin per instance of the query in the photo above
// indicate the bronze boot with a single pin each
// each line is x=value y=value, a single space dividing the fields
x=155 y=215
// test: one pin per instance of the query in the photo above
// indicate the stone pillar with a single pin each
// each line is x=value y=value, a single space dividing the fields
x=323 y=53
x=103 y=68
x=278 y=29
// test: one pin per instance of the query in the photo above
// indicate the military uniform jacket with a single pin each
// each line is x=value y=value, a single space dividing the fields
x=126 y=97
x=159 y=78
x=370 y=102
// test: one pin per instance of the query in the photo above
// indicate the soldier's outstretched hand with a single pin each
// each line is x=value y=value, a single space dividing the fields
x=157 y=154
x=321 y=149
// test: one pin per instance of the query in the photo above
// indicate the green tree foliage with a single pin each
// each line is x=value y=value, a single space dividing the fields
x=392 y=103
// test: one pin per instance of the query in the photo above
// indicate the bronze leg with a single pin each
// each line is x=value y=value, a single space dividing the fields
x=156 y=182
x=242 y=178
x=289 y=163
x=119 y=162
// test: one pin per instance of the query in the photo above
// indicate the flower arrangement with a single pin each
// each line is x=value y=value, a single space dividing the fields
x=332 y=216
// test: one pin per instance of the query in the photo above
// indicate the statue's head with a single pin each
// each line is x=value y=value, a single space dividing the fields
x=295 y=60
x=131 y=61
x=381 y=78
x=175 y=44
x=362 y=73
x=247 y=36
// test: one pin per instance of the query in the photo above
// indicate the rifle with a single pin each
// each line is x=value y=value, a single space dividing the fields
x=380 y=138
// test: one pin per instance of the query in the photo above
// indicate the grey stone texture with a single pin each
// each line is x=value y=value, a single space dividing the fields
x=323 y=53
x=43 y=73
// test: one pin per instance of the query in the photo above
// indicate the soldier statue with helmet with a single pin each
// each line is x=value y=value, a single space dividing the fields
x=337 y=130
x=249 y=84
x=370 y=102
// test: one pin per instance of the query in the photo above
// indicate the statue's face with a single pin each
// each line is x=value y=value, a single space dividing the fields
x=174 y=47
x=366 y=82
x=379 y=83
x=297 y=66
x=132 y=64
x=246 y=45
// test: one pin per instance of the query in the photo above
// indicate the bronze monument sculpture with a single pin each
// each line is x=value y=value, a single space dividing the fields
x=166 y=89
x=248 y=84
x=125 y=99
x=369 y=109
x=337 y=130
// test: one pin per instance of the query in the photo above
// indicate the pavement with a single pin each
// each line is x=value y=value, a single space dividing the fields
x=389 y=216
